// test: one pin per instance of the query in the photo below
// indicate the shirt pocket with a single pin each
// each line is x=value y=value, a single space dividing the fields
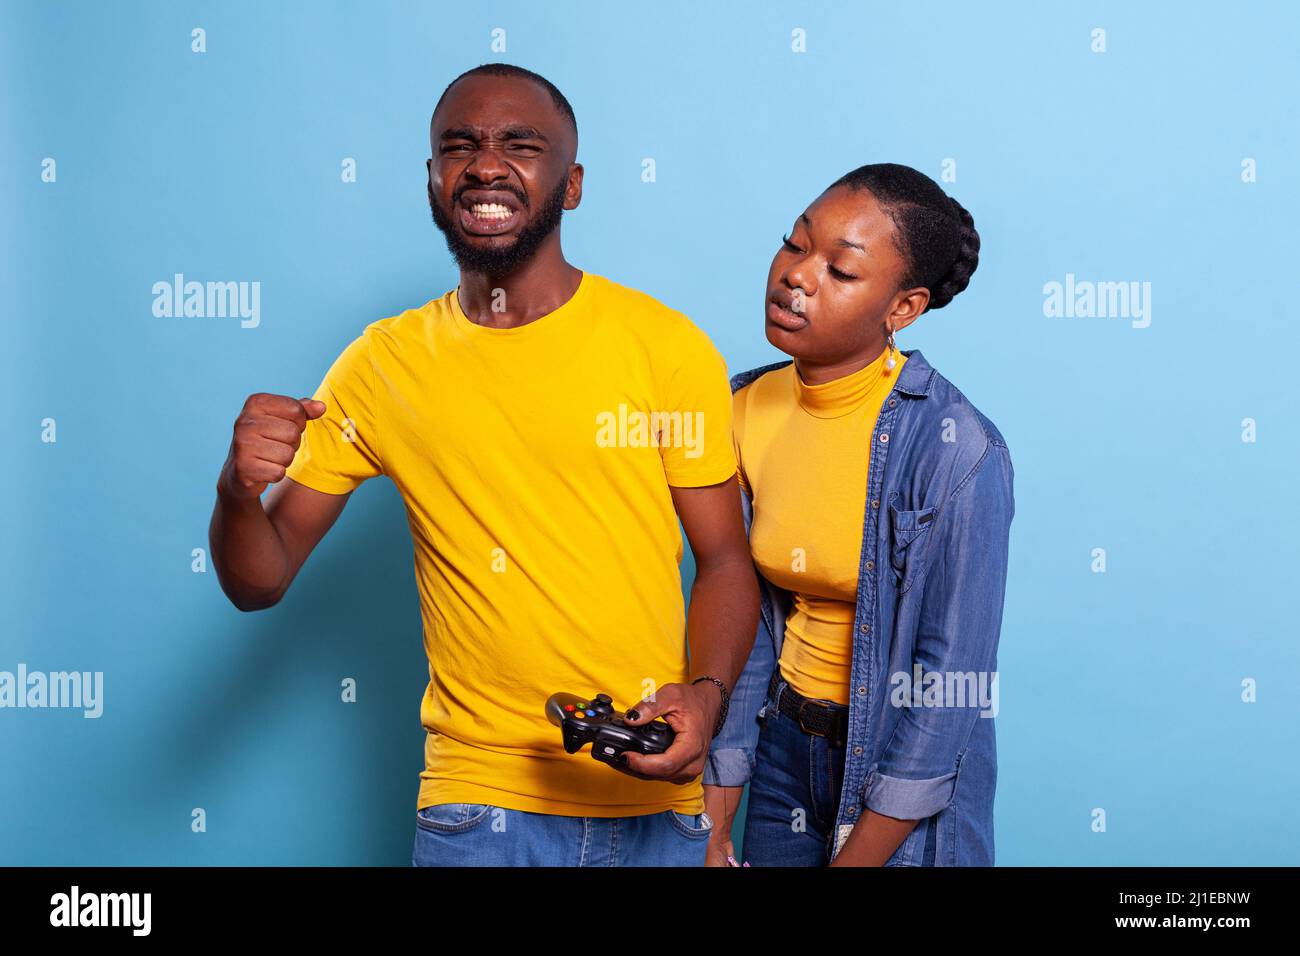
x=907 y=529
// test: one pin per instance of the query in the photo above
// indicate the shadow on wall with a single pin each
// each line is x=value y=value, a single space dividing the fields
x=287 y=772
x=252 y=727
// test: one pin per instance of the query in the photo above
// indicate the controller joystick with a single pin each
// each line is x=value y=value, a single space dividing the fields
x=593 y=720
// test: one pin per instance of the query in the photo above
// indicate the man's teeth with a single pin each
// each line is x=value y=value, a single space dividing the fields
x=490 y=210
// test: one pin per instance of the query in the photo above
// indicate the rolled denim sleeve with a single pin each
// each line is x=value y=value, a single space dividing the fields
x=731 y=755
x=960 y=617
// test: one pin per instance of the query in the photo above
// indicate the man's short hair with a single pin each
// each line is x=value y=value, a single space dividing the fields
x=517 y=72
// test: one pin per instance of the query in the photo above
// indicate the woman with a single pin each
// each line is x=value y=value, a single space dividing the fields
x=879 y=502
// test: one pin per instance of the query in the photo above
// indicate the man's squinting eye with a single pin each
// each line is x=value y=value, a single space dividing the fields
x=519 y=149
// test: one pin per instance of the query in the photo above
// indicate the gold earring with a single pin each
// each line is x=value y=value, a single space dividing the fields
x=889 y=362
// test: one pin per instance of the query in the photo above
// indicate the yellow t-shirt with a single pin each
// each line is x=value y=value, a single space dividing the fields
x=546 y=544
x=804 y=452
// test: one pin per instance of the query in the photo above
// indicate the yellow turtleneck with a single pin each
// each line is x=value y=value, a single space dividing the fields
x=804 y=451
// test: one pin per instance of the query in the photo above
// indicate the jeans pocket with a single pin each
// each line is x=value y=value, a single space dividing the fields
x=697 y=826
x=451 y=817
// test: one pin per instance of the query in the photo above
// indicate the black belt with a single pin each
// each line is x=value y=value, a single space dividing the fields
x=819 y=717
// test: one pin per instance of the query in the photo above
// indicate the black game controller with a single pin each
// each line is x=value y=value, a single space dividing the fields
x=593 y=721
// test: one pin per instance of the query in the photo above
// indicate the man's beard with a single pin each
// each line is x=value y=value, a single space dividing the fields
x=502 y=260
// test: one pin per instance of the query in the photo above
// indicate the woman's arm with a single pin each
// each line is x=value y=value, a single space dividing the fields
x=873 y=840
x=960 y=619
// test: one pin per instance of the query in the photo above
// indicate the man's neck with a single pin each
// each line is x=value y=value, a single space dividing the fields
x=538 y=287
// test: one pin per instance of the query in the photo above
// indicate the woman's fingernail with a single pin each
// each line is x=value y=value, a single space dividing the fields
x=633 y=715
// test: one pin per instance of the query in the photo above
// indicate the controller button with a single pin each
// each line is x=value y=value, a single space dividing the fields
x=580 y=715
x=591 y=713
x=604 y=699
x=568 y=707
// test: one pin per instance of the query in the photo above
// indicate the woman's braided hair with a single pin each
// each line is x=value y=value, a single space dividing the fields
x=936 y=236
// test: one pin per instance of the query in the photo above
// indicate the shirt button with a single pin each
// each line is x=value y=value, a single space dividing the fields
x=865 y=628
x=857 y=751
x=861 y=691
x=853 y=811
x=875 y=502
x=870 y=565
x=892 y=403
x=884 y=438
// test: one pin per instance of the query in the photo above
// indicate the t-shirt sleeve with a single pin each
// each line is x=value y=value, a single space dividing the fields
x=697 y=387
x=340 y=449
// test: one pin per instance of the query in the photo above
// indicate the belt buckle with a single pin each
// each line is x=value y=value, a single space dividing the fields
x=804 y=727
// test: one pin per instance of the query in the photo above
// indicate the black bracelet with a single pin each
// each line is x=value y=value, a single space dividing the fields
x=726 y=701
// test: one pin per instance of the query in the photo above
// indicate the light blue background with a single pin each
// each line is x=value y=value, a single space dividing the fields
x=1118 y=690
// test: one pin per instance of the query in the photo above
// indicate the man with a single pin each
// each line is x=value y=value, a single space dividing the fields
x=547 y=428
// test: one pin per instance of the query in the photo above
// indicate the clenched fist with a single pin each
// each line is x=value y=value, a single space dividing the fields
x=267 y=434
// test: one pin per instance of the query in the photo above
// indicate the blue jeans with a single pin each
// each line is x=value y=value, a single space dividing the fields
x=477 y=834
x=794 y=794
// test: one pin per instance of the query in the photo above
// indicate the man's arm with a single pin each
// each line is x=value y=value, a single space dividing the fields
x=723 y=613
x=258 y=547
x=732 y=753
x=720 y=627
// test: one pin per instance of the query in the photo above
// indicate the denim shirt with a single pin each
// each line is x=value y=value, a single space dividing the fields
x=931 y=579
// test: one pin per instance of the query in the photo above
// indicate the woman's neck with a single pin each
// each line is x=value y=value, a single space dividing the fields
x=820 y=373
